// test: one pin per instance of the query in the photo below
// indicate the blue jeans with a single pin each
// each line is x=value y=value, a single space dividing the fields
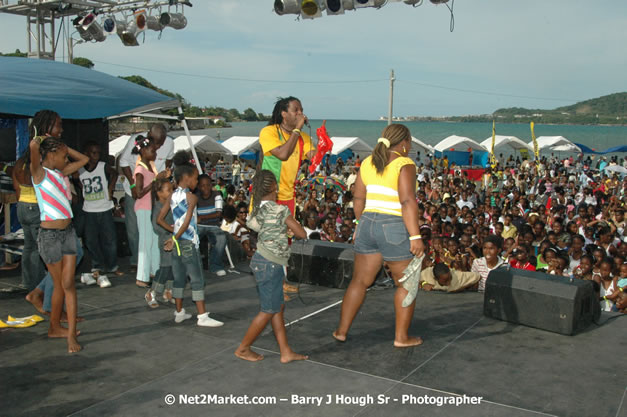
x=132 y=232
x=217 y=240
x=185 y=264
x=46 y=284
x=382 y=233
x=101 y=241
x=269 y=277
x=33 y=269
x=163 y=280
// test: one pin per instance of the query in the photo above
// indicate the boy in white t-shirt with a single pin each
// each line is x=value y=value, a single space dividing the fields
x=97 y=180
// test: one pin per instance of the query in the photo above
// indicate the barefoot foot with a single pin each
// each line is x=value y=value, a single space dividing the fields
x=248 y=354
x=60 y=332
x=289 y=357
x=409 y=342
x=36 y=298
x=72 y=345
x=64 y=317
x=338 y=337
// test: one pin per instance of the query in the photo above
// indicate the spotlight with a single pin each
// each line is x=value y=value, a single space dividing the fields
x=93 y=28
x=154 y=23
x=364 y=3
x=282 y=7
x=173 y=20
x=109 y=25
x=78 y=25
x=311 y=9
x=334 y=7
x=414 y=3
x=140 y=20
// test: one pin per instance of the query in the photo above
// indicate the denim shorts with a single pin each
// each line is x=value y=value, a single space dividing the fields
x=384 y=234
x=269 y=277
x=54 y=243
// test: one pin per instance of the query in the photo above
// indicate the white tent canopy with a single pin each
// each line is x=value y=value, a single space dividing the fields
x=237 y=145
x=458 y=143
x=501 y=141
x=117 y=145
x=555 y=143
x=201 y=143
x=356 y=145
x=419 y=146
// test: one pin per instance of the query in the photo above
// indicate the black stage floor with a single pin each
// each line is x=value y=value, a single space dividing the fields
x=134 y=357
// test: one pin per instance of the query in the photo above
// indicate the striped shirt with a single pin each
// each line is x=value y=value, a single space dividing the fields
x=210 y=205
x=382 y=190
x=480 y=265
x=52 y=197
x=179 y=206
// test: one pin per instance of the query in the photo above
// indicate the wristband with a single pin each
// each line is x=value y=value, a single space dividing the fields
x=605 y=298
x=132 y=186
x=415 y=237
x=356 y=221
x=296 y=131
x=176 y=243
x=422 y=284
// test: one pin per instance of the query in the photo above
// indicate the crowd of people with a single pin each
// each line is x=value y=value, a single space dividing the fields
x=559 y=216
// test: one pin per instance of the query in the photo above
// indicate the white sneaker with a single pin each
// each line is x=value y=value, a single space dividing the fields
x=179 y=316
x=88 y=279
x=221 y=273
x=103 y=281
x=205 y=321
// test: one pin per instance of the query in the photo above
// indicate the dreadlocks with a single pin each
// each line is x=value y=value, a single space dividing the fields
x=262 y=186
x=49 y=145
x=280 y=106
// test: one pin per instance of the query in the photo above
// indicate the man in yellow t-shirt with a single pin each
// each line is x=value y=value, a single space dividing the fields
x=284 y=146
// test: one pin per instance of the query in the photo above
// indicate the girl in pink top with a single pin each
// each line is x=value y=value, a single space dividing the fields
x=144 y=175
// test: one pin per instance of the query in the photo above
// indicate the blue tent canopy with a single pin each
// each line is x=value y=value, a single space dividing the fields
x=620 y=148
x=586 y=149
x=75 y=92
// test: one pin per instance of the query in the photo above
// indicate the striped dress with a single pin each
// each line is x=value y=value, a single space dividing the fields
x=52 y=197
x=179 y=206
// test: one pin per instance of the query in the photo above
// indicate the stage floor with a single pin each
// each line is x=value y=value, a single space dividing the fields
x=134 y=357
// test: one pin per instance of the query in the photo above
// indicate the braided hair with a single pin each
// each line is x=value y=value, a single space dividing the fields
x=49 y=145
x=263 y=183
x=280 y=106
x=42 y=124
x=395 y=133
x=141 y=142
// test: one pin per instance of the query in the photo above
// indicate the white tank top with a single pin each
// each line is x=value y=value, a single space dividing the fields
x=95 y=189
x=606 y=305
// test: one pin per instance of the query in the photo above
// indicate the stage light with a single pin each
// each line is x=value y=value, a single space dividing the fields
x=364 y=3
x=348 y=4
x=154 y=23
x=91 y=26
x=414 y=3
x=439 y=1
x=173 y=20
x=282 y=7
x=78 y=25
x=334 y=7
x=109 y=25
x=139 y=18
x=311 y=9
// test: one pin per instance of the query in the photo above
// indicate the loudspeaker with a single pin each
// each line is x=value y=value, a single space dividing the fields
x=548 y=302
x=323 y=263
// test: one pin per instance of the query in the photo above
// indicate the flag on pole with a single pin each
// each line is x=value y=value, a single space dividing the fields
x=493 y=161
x=536 y=151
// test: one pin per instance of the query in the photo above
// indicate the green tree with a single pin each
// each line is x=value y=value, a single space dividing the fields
x=83 y=62
x=17 y=53
x=249 y=115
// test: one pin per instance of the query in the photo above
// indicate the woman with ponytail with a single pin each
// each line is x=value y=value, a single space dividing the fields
x=387 y=228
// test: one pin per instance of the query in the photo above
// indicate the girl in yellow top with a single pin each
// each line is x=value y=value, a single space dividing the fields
x=387 y=230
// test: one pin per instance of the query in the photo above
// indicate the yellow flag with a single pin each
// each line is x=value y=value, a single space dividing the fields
x=536 y=151
x=493 y=162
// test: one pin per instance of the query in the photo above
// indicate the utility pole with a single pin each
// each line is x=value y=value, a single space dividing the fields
x=391 y=97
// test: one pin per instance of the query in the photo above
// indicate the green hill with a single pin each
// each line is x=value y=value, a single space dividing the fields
x=610 y=109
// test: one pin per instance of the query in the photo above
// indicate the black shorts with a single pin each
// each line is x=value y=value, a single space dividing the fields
x=54 y=243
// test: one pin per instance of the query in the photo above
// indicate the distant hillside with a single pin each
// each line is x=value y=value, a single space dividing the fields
x=610 y=109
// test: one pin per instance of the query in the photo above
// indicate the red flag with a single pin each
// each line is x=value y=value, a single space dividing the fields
x=324 y=145
x=548 y=204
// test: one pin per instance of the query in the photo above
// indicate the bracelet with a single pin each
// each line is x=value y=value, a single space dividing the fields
x=296 y=131
x=422 y=284
x=605 y=298
x=356 y=221
x=132 y=186
x=176 y=243
x=415 y=237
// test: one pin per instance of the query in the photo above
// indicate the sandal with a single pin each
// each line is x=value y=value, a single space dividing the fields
x=141 y=284
x=118 y=273
x=150 y=299
x=167 y=297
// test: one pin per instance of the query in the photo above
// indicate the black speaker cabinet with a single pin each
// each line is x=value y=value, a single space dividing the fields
x=321 y=263
x=540 y=300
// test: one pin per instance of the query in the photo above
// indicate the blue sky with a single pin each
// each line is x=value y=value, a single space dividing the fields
x=538 y=50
